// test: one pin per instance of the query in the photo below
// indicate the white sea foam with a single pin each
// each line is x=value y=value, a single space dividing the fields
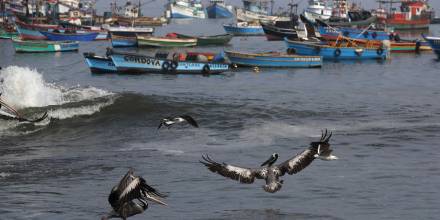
x=23 y=87
x=4 y=175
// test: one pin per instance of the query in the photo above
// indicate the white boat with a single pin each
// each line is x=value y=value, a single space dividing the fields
x=249 y=16
x=317 y=9
x=130 y=31
x=187 y=9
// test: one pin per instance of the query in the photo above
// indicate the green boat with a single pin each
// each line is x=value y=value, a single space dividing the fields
x=6 y=34
x=150 y=41
x=44 y=46
x=206 y=40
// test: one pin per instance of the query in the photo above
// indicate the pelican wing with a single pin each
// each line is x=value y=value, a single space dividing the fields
x=298 y=162
x=243 y=175
x=190 y=120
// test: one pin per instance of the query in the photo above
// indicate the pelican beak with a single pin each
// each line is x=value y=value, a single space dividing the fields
x=267 y=161
x=155 y=199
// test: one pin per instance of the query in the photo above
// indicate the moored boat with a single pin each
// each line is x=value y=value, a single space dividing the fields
x=44 y=46
x=221 y=39
x=413 y=14
x=244 y=29
x=317 y=9
x=151 y=41
x=337 y=51
x=32 y=31
x=187 y=9
x=54 y=36
x=130 y=31
x=331 y=33
x=123 y=41
x=138 y=63
x=274 y=33
x=7 y=34
x=273 y=59
x=435 y=44
x=218 y=9
x=99 y=64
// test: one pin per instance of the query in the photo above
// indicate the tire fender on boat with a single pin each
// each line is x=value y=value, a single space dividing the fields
x=366 y=34
x=165 y=66
x=206 y=70
x=173 y=65
x=374 y=35
x=337 y=52
x=291 y=51
x=379 y=51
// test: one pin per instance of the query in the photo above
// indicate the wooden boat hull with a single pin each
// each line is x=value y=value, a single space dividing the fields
x=435 y=44
x=121 y=41
x=330 y=33
x=32 y=31
x=244 y=31
x=335 y=53
x=67 y=36
x=165 y=42
x=99 y=64
x=44 y=46
x=208 y=40
x=218 y=11
x=273 y=60
x=274 y=33
x=136 y=63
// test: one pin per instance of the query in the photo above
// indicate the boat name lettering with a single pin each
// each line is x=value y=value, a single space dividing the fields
x=138 y=59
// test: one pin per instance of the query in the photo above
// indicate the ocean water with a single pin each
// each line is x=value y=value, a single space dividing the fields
x=385 y=119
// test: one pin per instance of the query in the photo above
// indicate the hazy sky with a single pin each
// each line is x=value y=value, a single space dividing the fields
x=156 y=7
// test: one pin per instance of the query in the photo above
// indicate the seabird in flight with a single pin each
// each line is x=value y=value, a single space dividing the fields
x=268 y=171
x=130 y=197
x=169 y=121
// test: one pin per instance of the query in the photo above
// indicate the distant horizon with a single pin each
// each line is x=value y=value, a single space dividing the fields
x=156 y=8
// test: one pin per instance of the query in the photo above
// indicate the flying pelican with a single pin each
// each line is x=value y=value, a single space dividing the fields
x=131 y=188
x=169 y=121
x=269 y=172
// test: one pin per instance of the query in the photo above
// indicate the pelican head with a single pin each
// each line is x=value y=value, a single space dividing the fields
x=272 y=159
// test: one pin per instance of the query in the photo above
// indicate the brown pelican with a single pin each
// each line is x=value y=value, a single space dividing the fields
x=169 y=121
x=271 y=173
x=9 y=113
x=131 y=188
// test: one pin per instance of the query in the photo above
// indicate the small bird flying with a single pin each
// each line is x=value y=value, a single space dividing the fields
x=130 y=197
x=268 y=171
x=169 y=121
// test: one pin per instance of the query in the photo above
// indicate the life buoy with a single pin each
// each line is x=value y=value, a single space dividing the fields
x=165 y=66
x=337 y=52
x=379 y=51
x=358 y=51
x=206 y=70
x=374 y=35
x=317 y=49
x=291 y=51
x=397 y=38
x=366 y=34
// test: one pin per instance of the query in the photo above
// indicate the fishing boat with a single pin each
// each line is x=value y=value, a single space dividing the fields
x=413 y=14
x=54 y=36
x=317 y=9
x=138 y=63
x=44 y=46
x=32 y=31
x=331 y=33
x=99 y=64
x=274 y=33
x=130 y=31
x=123 y=41
x=435 y=44
x=244 y=29
x=221 y=39
x=186 y=9
x=151 y=41
x=339 y=50
x=218 y=9
x=7 y=33
x=272 y=59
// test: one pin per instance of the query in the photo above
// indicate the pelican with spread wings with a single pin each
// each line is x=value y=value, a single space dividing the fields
x=270 y=172
x=130 y=197
x=9 y=113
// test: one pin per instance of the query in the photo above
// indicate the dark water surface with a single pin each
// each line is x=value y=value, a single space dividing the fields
x=385 y=117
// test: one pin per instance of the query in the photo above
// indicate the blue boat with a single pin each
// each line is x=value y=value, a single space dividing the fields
x=330 y=33
x=339 y=52
x=244 y=29
x=218 y=9
x=272 y=59
x=123 y=41
x=53 y=36
x=434 y=42
x=137 y=63
x=98 y=64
